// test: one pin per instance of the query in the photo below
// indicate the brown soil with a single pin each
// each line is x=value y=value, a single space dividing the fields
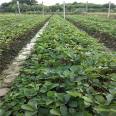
x=108 y=41
x=9 y=54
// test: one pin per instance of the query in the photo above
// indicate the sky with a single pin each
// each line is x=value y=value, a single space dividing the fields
x=51 y=2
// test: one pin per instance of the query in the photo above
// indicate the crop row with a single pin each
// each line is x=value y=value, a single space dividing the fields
x=68 y=73
x=14 y=30
x=94 y=24
x=12 y=27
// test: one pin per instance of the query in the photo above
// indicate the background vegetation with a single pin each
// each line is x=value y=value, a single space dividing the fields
x=29 y=6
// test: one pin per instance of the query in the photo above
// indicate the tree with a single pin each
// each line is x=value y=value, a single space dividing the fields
x=28 y=2
x=107 y=5
x=31 y=5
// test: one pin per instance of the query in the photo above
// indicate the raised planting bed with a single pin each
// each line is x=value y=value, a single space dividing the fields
x=68 y=74
x=99 y=27
x=15 y=32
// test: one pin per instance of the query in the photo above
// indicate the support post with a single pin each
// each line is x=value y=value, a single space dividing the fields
x=86 y=7
x=109 y=9
x=43 y=8
x=64 y=10
x=18 y=6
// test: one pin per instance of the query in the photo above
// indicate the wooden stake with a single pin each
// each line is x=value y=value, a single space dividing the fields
x=86 y=7
x=109 y=9
x=64 y=11
x=43 y=8
x=18 y=6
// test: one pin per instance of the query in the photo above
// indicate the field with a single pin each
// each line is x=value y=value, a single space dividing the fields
x=68 y=73
x=99 y=27
x=14 y=30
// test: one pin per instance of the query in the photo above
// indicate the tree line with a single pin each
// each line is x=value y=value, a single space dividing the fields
x=29 y=6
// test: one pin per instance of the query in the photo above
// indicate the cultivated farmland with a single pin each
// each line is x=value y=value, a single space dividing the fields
x=68 y=73
x=14 y=31
x=98 y=27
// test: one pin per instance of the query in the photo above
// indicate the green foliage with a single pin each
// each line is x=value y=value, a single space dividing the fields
x=25 y=5
x=13 y=27
x=70 y=7
x=28 y=2
x=96 y=24
x=63 y=76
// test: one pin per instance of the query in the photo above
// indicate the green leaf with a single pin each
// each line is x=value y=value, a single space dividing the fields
x=87 y=99
x=72 y=111
x=43 y=111
x=28 y=113
x=83 y=114
x=55 y=112
x=73 y=104
x=2 y=112
x=105 y=110
x=43 y=89
x=74 y=68
x=109 y=98
x=74 y=93
x=100 y=98
x=27 y=107
x=66 y=98
x=63 y=110
x=50 y=93
x=5 y=113
x=33 y=104
x=48 y=102
x=29 y=92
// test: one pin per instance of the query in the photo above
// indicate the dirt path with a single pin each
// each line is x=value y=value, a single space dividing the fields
x=8 y=75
